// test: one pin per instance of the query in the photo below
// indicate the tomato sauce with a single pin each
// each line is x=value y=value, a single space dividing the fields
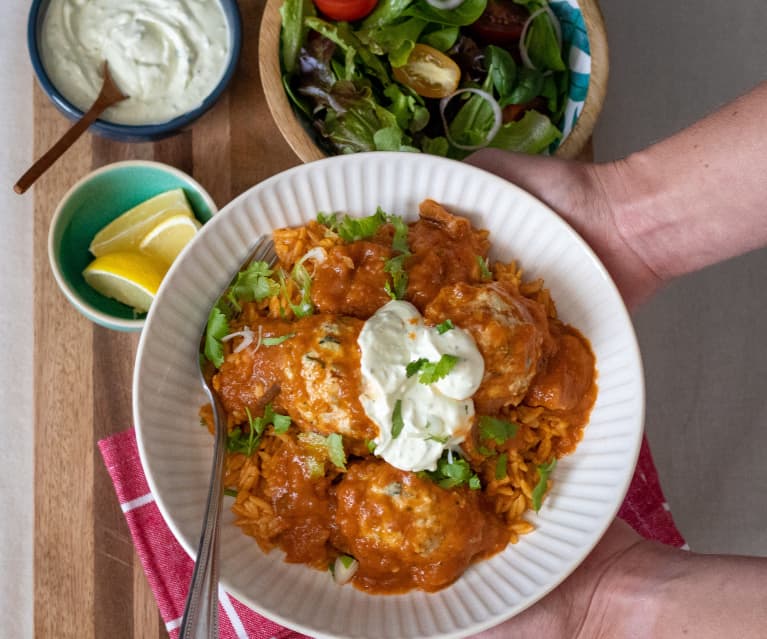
x=404 y=530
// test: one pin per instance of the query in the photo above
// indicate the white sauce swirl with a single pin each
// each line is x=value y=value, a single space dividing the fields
x=167 y=55
x=435 y=416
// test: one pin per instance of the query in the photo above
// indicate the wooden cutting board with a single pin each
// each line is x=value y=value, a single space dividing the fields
x=88 y=581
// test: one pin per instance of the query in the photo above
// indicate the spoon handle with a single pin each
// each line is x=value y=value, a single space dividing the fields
x=53 y=154
x=200 y=619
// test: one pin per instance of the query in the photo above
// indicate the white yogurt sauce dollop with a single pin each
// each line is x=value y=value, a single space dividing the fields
x=167 y=55
x=435 y=416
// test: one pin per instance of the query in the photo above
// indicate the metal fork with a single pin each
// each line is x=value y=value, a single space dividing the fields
x=200 y=619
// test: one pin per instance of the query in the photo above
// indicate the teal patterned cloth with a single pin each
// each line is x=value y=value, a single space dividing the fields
x=577 y=54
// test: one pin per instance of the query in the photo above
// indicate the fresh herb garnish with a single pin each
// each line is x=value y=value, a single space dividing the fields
x=301 y=278
x=395 y=266
x=544 y=470
x=413 y=367
x=484 y=269
x=497 y=430
x=351 y=229
x=399 y=241
x=216 y=329
x=452 y=471
x=335 y=445
x=230 y=492
x=445 y=326
x=397 y=423
x=371 y=445
x=275 y=341
x=500 y=465
x=252 y=284
x=431 y=372
x=239 y=442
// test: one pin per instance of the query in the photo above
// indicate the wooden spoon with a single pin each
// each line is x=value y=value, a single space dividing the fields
x=110 y=94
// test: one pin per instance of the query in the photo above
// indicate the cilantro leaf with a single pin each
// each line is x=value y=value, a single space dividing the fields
x=351 y=229
x=254 y=283
x=399 y=241
x=413 y=367
x=497 y=430
x=452 y=471
x=336 y=453
x=275 y=341
x=328 y=219
x=230 y=492
x=544 y=470
x=434 y=371
x=399 y=278
x=397 y=423
x=239 y=442
x=216 y=329
x=445 y=326
x=281 y=423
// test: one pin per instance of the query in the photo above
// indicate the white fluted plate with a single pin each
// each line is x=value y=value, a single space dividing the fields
x=588 y=487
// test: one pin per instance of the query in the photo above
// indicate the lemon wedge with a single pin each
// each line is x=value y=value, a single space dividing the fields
x=127 y=276
x=126 y=232
x=165 y=240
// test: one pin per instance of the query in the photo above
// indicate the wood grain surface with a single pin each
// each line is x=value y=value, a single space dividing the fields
x=88 y=580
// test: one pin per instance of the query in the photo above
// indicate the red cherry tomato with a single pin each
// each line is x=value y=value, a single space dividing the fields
x=501 y=23
x=429 y=72
x=346 y=10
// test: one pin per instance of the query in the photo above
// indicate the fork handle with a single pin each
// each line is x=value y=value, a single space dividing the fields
x=200 y=619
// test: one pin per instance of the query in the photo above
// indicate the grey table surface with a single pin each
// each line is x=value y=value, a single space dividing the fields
x=703 y=338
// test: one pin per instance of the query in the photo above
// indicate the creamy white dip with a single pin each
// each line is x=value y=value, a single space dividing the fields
x=167 y=55
x=434 y=416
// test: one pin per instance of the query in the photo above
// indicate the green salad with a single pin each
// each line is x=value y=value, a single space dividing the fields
x=444 y=77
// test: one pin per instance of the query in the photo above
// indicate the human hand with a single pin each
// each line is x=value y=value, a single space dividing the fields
x=584 y=195
x=580 y=606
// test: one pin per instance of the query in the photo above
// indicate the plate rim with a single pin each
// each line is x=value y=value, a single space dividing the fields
x=395 y=157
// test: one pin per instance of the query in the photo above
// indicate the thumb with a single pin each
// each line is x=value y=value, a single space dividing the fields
x=551 y=180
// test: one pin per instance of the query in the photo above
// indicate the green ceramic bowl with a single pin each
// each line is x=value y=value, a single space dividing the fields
x=91 y=204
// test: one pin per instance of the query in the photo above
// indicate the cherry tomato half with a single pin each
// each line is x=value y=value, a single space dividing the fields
x=501 y=23
x=347 y=10
x=429 y=72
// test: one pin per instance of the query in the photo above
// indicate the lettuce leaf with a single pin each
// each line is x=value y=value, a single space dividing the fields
x=464 y=14
x=293 y=32
x=534 y=133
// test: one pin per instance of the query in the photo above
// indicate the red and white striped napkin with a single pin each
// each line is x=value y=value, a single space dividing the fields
x=169 y=568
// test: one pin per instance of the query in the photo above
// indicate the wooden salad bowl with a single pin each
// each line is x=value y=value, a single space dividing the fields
x=305 y=147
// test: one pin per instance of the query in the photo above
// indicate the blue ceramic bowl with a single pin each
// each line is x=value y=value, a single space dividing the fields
x=89 y=206
x=128 y=132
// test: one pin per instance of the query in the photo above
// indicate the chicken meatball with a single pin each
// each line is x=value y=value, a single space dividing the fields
x=406 y=532
x=510 y=332
x=315 y=372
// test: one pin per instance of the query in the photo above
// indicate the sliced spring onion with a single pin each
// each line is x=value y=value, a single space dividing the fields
x=247 y=336
x=523 y=38
x=344 y=568
x=317 y=254
x=445 y=5
x=497 y=116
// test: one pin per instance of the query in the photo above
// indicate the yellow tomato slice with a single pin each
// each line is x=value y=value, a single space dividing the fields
x=429 y=72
